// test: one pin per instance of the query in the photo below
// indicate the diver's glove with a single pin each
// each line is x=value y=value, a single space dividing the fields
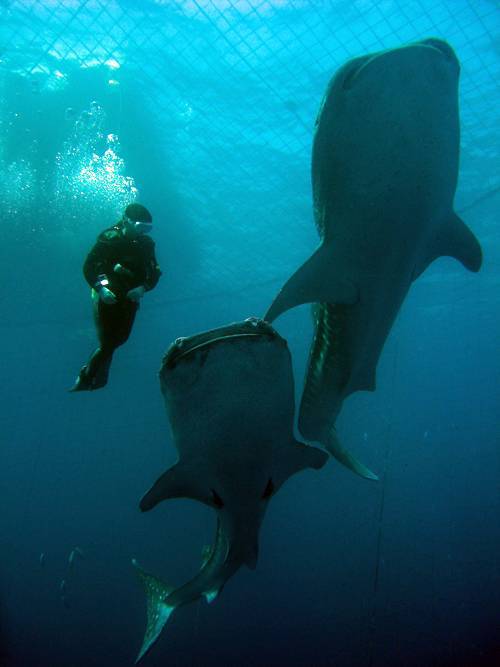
x=136 y=293
x=105 y=294
x=122 y=270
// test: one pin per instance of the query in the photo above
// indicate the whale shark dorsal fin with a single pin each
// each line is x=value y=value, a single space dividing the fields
x=158 y=612
x=454 y=239
x=178 y=482
x=334 y=447
x=318 y=280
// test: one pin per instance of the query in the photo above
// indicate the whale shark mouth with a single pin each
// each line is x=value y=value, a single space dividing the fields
x=352 y=72
x=438 y=45
x=360 y=64
x=253 y=327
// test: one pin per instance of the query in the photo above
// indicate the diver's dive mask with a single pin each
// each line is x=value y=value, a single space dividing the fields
x=138 y=226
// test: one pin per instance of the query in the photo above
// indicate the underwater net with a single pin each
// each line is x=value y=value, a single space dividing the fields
x=204 y=110
x=206 y=107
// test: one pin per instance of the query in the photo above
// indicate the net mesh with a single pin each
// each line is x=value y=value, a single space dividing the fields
x=229 y=89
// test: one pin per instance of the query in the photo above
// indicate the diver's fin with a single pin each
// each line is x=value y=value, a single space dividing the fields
x=97 y=368
x=158 y=612
x=333 y=446
x=454 y=239
x=83 y=382
x=94 y=375
x=100 y=378
x=318 y=280
x=178 y=482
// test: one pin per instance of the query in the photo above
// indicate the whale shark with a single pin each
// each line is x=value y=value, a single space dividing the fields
x=385 y=163
x=229 y=396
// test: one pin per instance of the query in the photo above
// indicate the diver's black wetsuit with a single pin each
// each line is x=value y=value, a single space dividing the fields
x=114 y=321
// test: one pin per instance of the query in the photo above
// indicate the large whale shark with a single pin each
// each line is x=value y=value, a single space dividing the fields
x=229 y=395
x=384 y=173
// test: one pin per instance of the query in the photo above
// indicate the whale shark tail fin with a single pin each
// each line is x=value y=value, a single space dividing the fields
x=319 y=280
x=335 y=448
x=158 y=612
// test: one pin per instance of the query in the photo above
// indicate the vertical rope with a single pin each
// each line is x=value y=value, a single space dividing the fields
x=380 y=520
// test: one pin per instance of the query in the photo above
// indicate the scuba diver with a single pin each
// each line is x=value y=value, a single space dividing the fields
x=119 y=268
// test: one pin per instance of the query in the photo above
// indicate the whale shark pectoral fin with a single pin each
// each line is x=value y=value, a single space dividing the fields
x=318 y=280
x=158 y=612
x=333 y=446
x=178 y=482
x=365 y=379
x=296 y=458
x=456 y=240
x=459 y=242
x=307 y=456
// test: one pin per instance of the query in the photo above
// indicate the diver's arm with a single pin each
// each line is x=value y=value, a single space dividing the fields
x=152 y=268
x=98 y=268
x=94 y=271
x=96 y=264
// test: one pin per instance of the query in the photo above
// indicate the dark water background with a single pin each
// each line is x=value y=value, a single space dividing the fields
x=212 y=110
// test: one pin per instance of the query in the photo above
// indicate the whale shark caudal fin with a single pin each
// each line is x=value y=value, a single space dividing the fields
x=318 y=280
x=454 y=239
x=158 y=612
x=333 y=447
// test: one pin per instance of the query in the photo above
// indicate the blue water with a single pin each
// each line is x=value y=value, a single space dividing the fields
x=208 y=121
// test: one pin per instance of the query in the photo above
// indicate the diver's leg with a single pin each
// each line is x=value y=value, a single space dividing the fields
x=84 y=381
x=97 y=367
x=123 y=324
x=95 y=372
x=114 y=323
x=107 y=319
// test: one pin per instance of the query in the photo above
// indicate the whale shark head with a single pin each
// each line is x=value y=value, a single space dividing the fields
x=405 y=68
x=385 y=147
x=411 y=80
x=229 y=395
